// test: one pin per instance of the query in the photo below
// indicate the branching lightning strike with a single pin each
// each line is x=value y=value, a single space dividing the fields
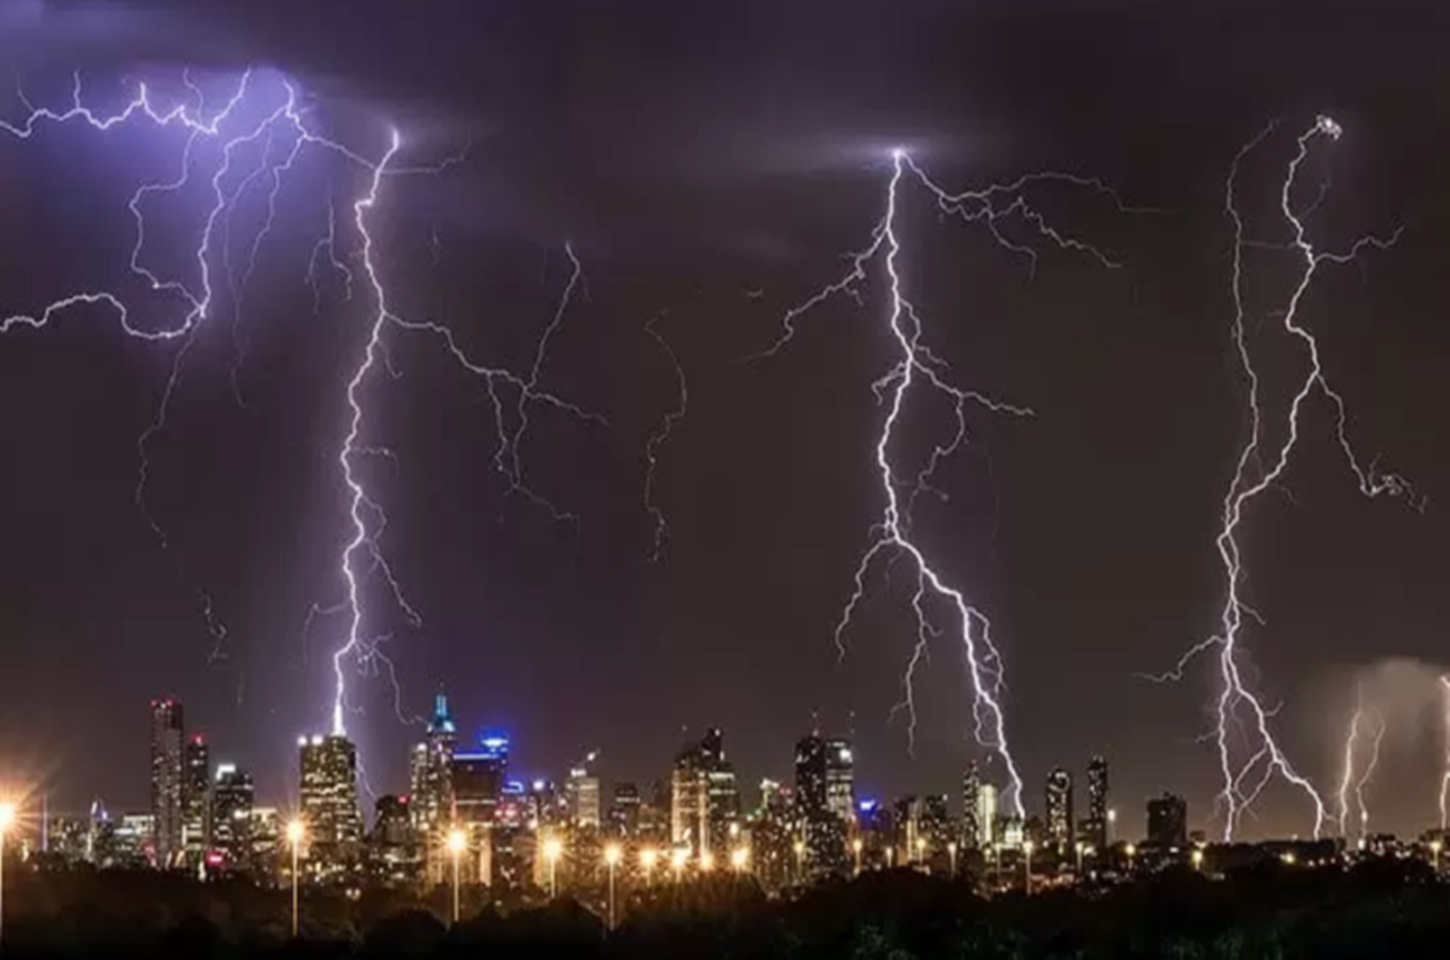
x=1351 y=745
x=284 y=121
x=917 y=365
x=661 y=436
x=1260 y=468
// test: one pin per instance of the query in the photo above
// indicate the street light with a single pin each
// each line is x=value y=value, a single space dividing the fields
x=856 y=846
x=1027 y=864
x=952 y=855
x=739 y=857
x=553 y=849
x=1079 y=849
x=1197 y=858
x=677 y=862
x=7 y=817
x=1112 y=822
x=612 y=854
x=647 y=858
x=799 y=847
x=1436 y=846
x=296 y=831
x=457 y=843
x=707 y=861
x=920 y=849
x=1131 y=851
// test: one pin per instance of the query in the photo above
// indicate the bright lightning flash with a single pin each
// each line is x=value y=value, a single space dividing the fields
x=284 y=121
x=1239 y=710
x=918 y=370
x=1348 y=780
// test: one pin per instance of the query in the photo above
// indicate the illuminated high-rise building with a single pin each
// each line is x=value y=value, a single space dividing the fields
x=196 y=801
x=624 y=810
x=988 y=808
x=329 y=804
x=1097 y=797
x=935 y=826
x=431 y=770
x=971 y=803
x=704 y=797
x=477 y=779
x=825 y=796
x=167 y=783
x=1058 y=808
x=232 y=798
x=581 y=791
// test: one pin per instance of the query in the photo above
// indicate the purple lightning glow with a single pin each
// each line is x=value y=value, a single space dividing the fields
x=916 y=366
x=284 y=134
x=1239 y=710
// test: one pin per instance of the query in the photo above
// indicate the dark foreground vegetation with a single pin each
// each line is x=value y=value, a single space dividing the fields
x=1377 y=909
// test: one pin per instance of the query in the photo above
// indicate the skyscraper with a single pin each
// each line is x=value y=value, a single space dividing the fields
x=431 y=770
x=196 y=801
x=231 y=815
x=329 y=803
x=1168 y=822
x=1097 y=790
x=581 y=791
x=624 y=807
x=825 y=796
x=987 y=810
x=704 y=798
x=1059 y=809
x=477 y=779
x=971 y=805
x=166 y=783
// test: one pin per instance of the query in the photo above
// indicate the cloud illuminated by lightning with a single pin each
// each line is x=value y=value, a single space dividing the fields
x=1261 y=467
x=917 y=370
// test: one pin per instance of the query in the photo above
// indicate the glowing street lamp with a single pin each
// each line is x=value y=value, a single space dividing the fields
x=1112 y=822
x=296 y=832
x=1079 y=848
x=1027 y=863
x=1436 y=846
x=612 y=855
x=856 y=846
x=553 y=850
x=457 y=843
x=1131 y=851
x=952 y=856
x=799 y=848
x=707 y=861
x=1197 y=858
x=677 y=862
x=739 y=858
x=7 y=818
x=920 y=849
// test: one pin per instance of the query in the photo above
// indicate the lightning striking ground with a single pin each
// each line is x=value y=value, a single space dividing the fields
x=1348 y=781
x=1261 y=467
x=283 y=122
x=918 y=369
x=661 y=436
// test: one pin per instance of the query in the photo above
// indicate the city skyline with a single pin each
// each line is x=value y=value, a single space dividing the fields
x=312 y=517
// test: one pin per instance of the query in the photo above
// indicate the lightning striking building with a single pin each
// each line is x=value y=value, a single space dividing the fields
x=330 y=804
x=167 y=779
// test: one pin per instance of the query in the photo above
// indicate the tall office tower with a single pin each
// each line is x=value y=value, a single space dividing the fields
x=477 y=779
x=704 y=798
x=841 y=779
x=988 y=807
x=1097 y=790
x=329 y=804
x=581 y=791
x=936 y=826
x=1168 y=822
x=1059 y=810
x=624 y=808
x=971 y=800
x=431 y=769
x=393 y=857
x=232 y=798
x=167 y=778
x=196 y=801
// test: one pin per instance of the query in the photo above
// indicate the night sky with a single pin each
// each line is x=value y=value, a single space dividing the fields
x=715 y=162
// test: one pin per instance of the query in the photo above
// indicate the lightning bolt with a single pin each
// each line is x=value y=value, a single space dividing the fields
x=1364 y=779
x=1445 y=777
x=1347 y=780
x=283 y=134
x=1261 y=467
x=662 y=434
x=918 y=370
